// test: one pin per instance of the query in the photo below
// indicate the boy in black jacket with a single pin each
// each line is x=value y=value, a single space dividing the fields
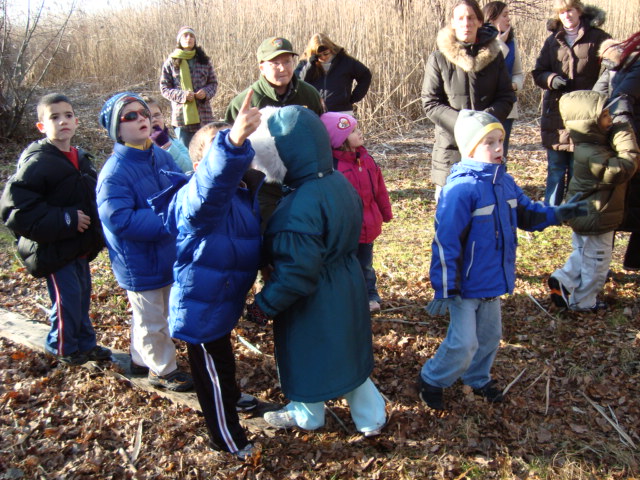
x=50 y=205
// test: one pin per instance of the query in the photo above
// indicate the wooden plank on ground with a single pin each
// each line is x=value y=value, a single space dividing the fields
x=32 y=334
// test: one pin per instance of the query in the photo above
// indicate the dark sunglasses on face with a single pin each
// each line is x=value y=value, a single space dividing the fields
x=133 y=115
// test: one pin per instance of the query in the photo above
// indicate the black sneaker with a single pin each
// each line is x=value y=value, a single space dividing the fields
x=98 y=353
x=490 y=392
x=246 y=403
x=136 y=369
x=176 y=381
x=75 y=358
x=430 y=395
x=559 y=293
x=596 y=308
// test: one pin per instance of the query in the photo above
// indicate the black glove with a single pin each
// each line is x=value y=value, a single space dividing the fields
x=558 y=83
x=313 y=58
x=160 y=136
x=255 y=314
x=572 y=208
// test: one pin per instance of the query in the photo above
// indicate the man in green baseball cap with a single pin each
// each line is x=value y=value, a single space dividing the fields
x=277 y=85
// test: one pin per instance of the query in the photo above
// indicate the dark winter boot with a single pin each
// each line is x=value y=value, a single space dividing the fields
x=430 y=395
x=490 y=392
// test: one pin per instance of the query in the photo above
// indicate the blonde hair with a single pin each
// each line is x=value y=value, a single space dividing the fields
x=564 y=5
x=317 y=41
x=202 y=139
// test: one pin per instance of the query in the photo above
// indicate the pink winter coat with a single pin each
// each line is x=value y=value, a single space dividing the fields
x=366 y=177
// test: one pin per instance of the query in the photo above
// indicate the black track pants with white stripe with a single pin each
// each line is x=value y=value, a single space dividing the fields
x=213 y=368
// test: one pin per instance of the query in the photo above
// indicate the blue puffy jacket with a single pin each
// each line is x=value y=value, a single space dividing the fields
x=217 y=223
x=141 y=250
x=474 y=249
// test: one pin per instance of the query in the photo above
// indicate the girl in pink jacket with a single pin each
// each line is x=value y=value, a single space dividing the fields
x=355 y=163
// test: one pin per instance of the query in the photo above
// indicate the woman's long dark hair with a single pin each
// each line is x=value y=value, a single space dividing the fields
x=492 y=11
x=201 y=57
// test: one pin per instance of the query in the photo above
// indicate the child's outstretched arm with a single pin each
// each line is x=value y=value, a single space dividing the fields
x=208 y=195
x=535 y=216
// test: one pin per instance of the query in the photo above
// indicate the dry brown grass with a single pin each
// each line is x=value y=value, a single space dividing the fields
x=125 y=48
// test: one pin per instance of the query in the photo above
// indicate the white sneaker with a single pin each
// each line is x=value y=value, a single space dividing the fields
x=374 y=306
x=373 y=433
x=246 y=403
x=245 y=452
x=280 y=419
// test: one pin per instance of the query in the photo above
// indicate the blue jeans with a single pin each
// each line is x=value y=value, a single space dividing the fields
x=471 y=344
x=70 y=293
x=559 y=172
x=365 y=257
x=508 y=125
x=365 y=403
x=184 y=135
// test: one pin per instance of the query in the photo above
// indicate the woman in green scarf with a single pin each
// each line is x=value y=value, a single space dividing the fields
x=189 y=82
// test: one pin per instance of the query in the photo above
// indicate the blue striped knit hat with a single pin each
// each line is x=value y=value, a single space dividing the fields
x=109 y=116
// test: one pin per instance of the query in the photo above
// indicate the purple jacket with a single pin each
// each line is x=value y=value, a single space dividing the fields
x=202 y=76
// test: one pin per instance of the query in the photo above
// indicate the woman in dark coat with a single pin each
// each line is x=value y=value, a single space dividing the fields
x=467 y=71
x=568 y=61
x=327 y=67
x=622 y=84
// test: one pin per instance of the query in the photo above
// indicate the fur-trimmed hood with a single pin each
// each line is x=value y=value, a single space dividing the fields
x=592 y=16
x=610 y=53
x=486 y=48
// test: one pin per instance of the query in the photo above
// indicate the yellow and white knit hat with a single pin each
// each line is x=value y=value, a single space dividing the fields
x=471 y=127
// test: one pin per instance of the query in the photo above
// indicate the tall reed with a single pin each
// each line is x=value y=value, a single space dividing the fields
x=125 y=48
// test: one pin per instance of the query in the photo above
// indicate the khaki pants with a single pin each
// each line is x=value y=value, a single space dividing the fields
x=151 y=344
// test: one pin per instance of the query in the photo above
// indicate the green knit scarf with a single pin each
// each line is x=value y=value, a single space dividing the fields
x=189 y=109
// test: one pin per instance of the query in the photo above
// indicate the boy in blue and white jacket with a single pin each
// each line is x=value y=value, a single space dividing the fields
x=474 y=254
x=141 y=251
x=216 y=218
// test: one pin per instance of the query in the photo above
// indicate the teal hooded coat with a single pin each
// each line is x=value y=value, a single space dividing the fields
x=316 y=292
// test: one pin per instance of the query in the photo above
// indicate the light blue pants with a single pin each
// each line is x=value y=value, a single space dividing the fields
x=365 y=402
x=471 y=344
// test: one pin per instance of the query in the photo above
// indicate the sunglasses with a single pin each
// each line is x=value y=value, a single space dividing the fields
x=324 y=53
x=133 y=115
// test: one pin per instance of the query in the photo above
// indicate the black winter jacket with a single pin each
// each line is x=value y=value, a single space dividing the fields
x=40 y=203
x=458 y=76
x=336 y=85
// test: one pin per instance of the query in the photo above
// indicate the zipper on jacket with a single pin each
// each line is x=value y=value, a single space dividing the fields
x=473 y=252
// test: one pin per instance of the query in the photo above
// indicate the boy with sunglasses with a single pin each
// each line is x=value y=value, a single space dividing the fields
x=50 y=206
x=142 y=252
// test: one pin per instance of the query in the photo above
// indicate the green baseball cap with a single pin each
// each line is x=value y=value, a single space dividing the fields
x=274 y=46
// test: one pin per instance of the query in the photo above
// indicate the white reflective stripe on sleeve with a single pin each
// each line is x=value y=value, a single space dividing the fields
x=488 y=210
x=443 y=263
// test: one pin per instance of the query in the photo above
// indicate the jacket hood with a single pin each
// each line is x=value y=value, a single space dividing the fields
x=592 y=17
x=267 y=159
x=610 y=52
x=469 y=57
x=263 y=87
x=580 y=111
x=302 y=142
x=469 y=166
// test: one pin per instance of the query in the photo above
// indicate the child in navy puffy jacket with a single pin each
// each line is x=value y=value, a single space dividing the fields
x=215 y=215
